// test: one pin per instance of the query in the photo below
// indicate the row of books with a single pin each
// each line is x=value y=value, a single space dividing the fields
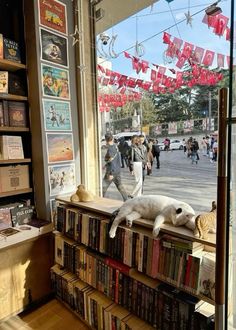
x=11 y=147
x=13 y=114
x=9 y=49
x=177 y=261
x=15 y=214
x=11 y=83
x=170 y=309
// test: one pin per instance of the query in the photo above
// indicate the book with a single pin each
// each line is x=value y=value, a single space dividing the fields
x=207 y=275
x=5 y=214
x=1 y=114
x=16 y=84
x=17 y=114
x=1 y=46
x=22 y=216
x=5 y=113
x=4 y=82
x=38 y=223
x=9 y=232
x=11 y=147
x=11 y=50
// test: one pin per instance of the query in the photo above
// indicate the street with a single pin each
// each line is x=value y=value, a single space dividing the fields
x=178 y=178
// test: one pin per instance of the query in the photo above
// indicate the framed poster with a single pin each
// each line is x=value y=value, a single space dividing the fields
x=61 y=179
x=59 y=147
x=57 y=115
x=54 y=48
x=55 y=82
x=52 y=14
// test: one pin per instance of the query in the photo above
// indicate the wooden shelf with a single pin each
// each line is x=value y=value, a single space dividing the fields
x=13 y=129
x=16 y=192
x=14 y=161
x=181 y=232
x=11 y=66
x=12 y=97
x=101 y=205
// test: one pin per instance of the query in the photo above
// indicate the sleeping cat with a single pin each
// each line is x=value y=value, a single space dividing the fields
x=158 y=208
x=206 y=223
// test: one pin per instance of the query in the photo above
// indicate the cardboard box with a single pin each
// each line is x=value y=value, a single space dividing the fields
x=14 y=178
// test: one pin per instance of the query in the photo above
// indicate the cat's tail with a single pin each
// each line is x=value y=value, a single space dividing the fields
x=198 y=230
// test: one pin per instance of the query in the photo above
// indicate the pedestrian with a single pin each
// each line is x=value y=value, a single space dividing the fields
x=204 y=146
x=167 y=144
x=150 y=159
x=194 y=151
x=112 y=166
x=184 y=145
x=215 y=150
x=123 y=148
x=138 y=163
x=156 y=153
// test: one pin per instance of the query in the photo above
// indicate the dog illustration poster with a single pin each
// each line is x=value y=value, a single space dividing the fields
x=61 y=179
x=55 y=82
x=59 y=147
x=54 y=48
x=57 y=115
x=52 y=14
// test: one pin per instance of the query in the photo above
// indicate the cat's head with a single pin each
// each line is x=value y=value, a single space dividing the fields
x=184 y=214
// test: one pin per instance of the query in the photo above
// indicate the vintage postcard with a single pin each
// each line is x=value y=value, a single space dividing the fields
x=54 y=48
x=55 y=82
x=62 y=179
x=52 y=14
x=59 y=147
x=57 y=115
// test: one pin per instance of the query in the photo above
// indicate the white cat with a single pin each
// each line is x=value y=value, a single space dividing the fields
x=155 y=207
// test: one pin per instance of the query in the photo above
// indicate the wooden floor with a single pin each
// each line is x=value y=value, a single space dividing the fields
x=51 y=316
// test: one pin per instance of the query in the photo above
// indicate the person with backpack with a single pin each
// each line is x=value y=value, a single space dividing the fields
x=156 y=153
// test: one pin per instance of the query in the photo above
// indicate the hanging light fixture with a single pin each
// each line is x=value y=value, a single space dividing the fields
x=213 y=9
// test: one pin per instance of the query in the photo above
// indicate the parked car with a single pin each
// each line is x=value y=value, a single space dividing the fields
x=174 y=145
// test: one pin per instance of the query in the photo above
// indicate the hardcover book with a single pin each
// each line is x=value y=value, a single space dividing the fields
x=22 y=216
x=9 y=232
x=11 y=147
x=17 y=114
x=14 y=178
x=1 y=114
x=11 y=50
x=16 y=84
x=3 y=82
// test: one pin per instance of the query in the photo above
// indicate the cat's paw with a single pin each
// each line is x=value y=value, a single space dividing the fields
x=129 y=222
x=156 y=231
x=112 y=232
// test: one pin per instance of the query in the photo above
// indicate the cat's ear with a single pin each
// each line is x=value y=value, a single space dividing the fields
x=179 y=210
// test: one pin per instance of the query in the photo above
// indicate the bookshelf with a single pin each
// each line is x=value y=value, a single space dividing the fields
x=98 y=262
x=16 y=192
x=15 y=161
x=11 y=66
x=13 y=129
x=12 y=97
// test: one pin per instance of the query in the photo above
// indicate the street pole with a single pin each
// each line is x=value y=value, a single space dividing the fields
x=209 y=111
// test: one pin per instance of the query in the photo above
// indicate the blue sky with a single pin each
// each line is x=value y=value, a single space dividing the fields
x=150 y=22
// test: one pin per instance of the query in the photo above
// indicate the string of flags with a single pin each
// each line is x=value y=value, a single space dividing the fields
x=191 y=53
x=219 y=23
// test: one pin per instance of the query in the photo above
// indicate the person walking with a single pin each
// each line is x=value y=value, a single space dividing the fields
x=112 y=174
x=156 y=153
x=123 y=148
x=138 y=163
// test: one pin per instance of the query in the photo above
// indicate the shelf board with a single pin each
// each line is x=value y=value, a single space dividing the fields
x=181 y=232
x=13 y=129
x=14 y=161
x=105 y=206
x=11 y=66
x=16 y=192
x=12 y=97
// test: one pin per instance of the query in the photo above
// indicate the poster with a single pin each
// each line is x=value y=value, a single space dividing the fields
x=52 y=14
x=55 y=82
x=172 y=128
x=57 y=115
x=54 y=48
x=59 y=147
x=61 y=179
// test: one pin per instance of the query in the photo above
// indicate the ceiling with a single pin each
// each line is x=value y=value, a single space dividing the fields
x=111 y=12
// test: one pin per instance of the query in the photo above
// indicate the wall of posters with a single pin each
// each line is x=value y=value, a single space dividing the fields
x=57 y=115
x=61 y=179
x=54 y=48
x=55 y=82
x=52 y=14
x=59 y=147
